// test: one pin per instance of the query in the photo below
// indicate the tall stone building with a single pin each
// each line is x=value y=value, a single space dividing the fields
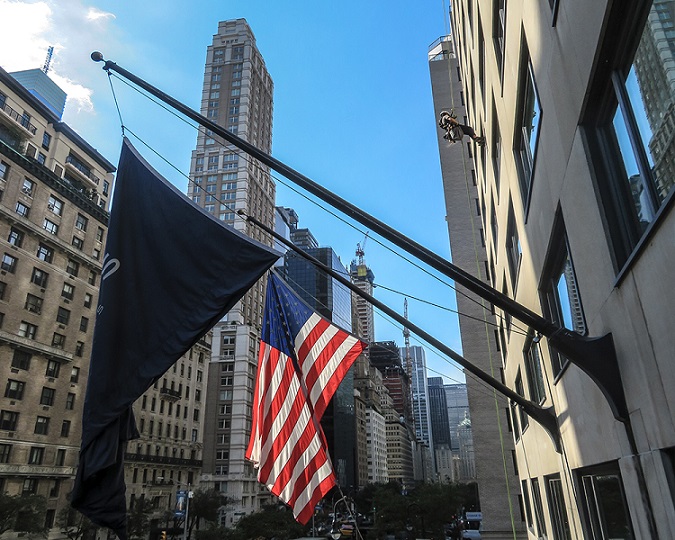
x=170 y=418
x=53 y=223
x=575 y=191
x=237 y=94
x=497 y=481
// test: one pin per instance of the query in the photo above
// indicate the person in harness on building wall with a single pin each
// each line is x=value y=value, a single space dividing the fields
x=454 y=131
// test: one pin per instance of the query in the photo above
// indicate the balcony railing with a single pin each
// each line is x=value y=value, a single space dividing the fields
x=82 y=169
x=19 y=119
x=168 y=393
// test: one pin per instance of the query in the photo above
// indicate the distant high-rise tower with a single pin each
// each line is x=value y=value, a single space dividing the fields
x=237 y=94
x=332 y=300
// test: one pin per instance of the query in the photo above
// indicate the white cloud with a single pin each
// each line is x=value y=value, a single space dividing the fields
x=74 y=28
x=95 y=14
x=23 y=40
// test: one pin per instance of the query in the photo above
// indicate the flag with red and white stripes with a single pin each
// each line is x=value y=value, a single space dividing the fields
x=303 y=358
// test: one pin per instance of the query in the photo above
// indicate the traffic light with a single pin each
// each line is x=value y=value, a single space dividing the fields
x=162 y=535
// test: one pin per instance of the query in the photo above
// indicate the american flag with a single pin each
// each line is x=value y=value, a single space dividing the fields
x=303 y=358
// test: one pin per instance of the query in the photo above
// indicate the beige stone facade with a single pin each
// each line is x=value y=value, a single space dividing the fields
x=574 y=193
x=53 y=222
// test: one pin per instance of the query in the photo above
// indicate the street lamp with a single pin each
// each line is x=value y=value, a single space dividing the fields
x=335 y=532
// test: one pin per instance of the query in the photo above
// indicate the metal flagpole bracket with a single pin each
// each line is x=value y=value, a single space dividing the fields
x=595 y=356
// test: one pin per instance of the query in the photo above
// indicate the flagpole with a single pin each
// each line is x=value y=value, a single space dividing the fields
x=595 y=356
x=544 y=416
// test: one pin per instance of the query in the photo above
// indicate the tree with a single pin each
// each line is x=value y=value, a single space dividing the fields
x=23 y=513
x=271 y=521
x=138 y=519
x=74 y=525
x=204 y=506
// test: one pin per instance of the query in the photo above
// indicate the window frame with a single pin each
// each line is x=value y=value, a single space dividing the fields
x=557 y=254
x=526 y=157
x=624 y=30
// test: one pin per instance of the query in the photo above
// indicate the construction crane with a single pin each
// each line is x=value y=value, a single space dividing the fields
x=48 y=60
x=361 y=248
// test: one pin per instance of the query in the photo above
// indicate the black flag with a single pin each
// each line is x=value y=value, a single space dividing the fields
x=170 y=272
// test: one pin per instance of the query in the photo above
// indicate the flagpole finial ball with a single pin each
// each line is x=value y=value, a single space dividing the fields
x=97 y=56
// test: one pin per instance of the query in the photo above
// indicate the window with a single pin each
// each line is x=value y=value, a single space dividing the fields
x=65 y=428
x=498 y=32
x=92 y=277
x=45 y=253
x=55 y=205
x=73 y=267
x=79 y=349
x=629 y=127
x=3 y=289
x=88 y=298
x=528 y=506
x=527 y=127
x=21 y=359
x=33 y=303
x=535 y=377
x=5 y=451
x=28 y=187
x=513 y=248
x=14 y=389
x=42 y=425
x=47 y=396
x=81 y=222
x=523 y=419
x=58 y=340
x=22 y=209
x=559 y=291
x=538 y=509
x=74 y=374
x=63 y=315
x=84 y=324
x=46 y=140
x=15 y=237
x=560 y=525
x=4 y=170
x=8 y=420
x=53 y=368
x=604 y=503
x=36 y=454
x=39 y=277
x=8 y=263
x=106 y=187
x=60 y=457
x=99 y=234
x=50 y=226
x=68 y=291
x=78 y=242
x=29 y=486
x=96 y=254
x=27 y=330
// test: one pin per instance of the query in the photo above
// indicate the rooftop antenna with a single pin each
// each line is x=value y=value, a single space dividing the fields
x=48 y=60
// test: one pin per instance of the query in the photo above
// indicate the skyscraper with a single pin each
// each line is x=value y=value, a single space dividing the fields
x=332 y=300
x=497 y=484
x=237 y=94
x=575 y=191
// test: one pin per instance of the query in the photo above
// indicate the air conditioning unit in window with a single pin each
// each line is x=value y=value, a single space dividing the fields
x=27 y=190
x=10 y=434
x=51 y=207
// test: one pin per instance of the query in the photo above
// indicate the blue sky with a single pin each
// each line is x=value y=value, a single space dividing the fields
x=352 y=110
